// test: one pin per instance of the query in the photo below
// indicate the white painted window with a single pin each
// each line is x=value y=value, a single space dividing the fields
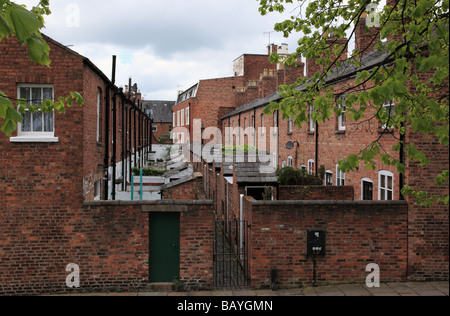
x=366 y=189
x=188 y=119
x=385 y=185
x=174 y=119
x=389 y=107
x=291 y=124
x=342 y=117
x=312 y=122
x=182 y=117
x=289 y=161
x=178 y=119
x=340 y=176
x=37 y=126
x=328 y=178
x=311 y=167
x=97 y=190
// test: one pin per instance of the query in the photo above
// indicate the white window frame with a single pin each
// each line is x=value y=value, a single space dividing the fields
x=174 y=117
x=311 y=166
x=329 y=172
x=182 y=117
x=340 y=176
x=178 y=119
x=389 y=107
x=362 y=187
x=262 y=124
x=97 y=187
x=290 y=162
x=188 y=119
x=342 y=117
x=385 y=173
x=312 y=123
x=34 y=136
x=275 y=122
x=291 y=124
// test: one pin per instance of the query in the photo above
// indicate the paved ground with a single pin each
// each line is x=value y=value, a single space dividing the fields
x=386 y=289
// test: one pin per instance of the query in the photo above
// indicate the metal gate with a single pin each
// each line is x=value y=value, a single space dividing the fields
x=231 y=264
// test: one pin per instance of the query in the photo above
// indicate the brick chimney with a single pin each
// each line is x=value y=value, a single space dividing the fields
x=332 y=41
x=365 y=38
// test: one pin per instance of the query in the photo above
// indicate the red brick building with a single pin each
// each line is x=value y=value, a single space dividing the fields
x=314 y=145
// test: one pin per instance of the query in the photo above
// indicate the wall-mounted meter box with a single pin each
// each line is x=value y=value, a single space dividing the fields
x=316 y=242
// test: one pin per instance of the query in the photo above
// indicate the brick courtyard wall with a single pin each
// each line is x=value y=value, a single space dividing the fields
x=357 y=233
x=315 y=192
x=109 y=243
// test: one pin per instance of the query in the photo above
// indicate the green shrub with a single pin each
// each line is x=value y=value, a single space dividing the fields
x=238 y=149
x=148 y=172
x=291 y=176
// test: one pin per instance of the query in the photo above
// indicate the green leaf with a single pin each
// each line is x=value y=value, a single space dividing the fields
x=38 y=50
x=12 y=114
x=8 y=127
x=25 y=23
x=5 y=29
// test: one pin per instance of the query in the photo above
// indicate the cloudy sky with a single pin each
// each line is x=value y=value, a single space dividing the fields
x=164 y=45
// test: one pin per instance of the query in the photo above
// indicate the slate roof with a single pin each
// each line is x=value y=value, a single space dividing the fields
x=255 y=172
x=162 y=110
x=344 y=72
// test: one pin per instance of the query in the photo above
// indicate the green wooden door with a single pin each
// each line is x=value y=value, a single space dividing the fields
x=164 y=242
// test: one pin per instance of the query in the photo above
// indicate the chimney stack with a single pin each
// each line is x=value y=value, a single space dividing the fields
x=365 y=38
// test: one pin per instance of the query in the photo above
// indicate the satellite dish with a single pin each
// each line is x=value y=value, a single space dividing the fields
x=135 y=88
x=289 y=145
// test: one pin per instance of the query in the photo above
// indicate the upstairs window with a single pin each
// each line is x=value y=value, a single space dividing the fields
x=37 y=126
x=389 y=109
x=385 y=186
x=340 y=176
x=341 y=118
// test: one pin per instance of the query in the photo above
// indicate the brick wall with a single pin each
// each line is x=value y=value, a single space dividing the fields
x=315 y=192
x=357 y=233
x=109 y=242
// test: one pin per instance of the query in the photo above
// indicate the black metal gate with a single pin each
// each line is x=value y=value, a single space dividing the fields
x=231 y=264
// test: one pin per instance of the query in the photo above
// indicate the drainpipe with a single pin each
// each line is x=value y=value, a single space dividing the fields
x=130 y=144
x=317 y=150
x=124 y=146
x=106 y=157
x=114 y=136
x=402 y=160
x=241 y=226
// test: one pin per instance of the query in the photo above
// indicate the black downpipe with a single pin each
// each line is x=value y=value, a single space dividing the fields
x=402 y=160
x=316 y=164
x=130 y=144
x=114 y=131
x=106 y=157
x=135 y=135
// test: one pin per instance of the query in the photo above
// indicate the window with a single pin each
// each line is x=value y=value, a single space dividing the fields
x=311 y=167
x=389 y=108
x=340 y=176
x=385 y=185
x=275 y=122
x=178 y=119
x=182 y=117
x=289 y=161
x=366 y=189
x=262 y=124
x=328 y=178
x=283 y=164
x=312 y=123
x=291 y=124
x=97 y=190
x=174 y=120
x=154 y=128
x=341 y=118
x=37 y=126
x=188 y=120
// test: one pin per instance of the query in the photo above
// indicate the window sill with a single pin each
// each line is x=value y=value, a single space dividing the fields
x=311 y=133
x=28 y=139
x=340 y=131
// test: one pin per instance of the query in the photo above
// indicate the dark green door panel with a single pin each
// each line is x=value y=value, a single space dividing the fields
x=164 y=242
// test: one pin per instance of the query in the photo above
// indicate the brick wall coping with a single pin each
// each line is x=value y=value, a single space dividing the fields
x=325 y=202
x=149 y=203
